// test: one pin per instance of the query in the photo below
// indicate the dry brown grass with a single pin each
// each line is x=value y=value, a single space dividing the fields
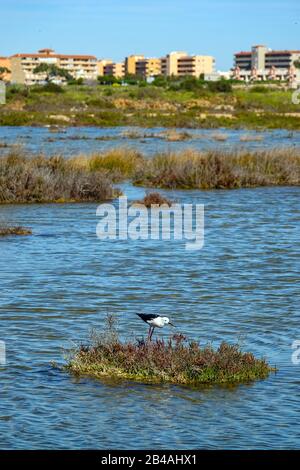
x=217 y=169
x=119 y=162
x=26 y=178
x=56 y=179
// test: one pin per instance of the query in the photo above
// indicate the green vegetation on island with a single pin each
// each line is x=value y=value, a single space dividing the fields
x=176 y=360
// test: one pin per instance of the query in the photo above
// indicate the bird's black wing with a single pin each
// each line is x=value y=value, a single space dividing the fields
x=147 y=316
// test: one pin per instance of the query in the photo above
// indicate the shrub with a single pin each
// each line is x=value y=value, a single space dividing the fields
x=154 y=198
x=48 y=88
x=222 y=86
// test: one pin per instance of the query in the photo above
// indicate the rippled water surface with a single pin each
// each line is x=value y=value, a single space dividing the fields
x=60 y=282
x=74 y=140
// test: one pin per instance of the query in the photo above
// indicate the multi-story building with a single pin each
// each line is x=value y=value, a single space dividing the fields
x=180 y=64
x=79 y=66
x=108 y=67
x=150 y=67
x=101 y=66
x=130 y=63
x=262 y=63
x=5 y=63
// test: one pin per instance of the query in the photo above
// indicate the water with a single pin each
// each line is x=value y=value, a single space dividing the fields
x=74 y=140
x=243 y=286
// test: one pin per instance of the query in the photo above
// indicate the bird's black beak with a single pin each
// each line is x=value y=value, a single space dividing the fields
x=172 y=324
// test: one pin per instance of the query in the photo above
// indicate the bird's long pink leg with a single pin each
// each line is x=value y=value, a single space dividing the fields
x=149 y=333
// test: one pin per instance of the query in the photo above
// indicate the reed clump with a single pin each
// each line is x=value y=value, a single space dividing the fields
x=119 y=162
x=28 y=179
x=37 y=178
x=176 y=360
x=218 y=169
x=6 y=230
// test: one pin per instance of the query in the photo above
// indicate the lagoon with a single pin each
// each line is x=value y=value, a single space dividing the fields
x=61 y=281
x=72 y=141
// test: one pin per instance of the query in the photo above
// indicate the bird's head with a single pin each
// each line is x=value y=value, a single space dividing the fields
x=166 y=321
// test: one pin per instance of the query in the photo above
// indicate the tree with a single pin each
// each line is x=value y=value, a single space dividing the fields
x=222 y=86
x=106 y=79
x=51 y=70
x=3 y=72
x=297 y=64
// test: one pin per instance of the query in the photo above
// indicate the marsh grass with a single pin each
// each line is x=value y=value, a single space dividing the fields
x=218 y=169
x=176 y=360
x=37 y=178
x=120 y=162
x=26 y=178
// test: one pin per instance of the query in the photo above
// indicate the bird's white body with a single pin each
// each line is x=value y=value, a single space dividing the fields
x=159 y=322
x=154 y=321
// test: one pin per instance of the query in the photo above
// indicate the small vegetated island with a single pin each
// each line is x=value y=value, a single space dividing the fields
x=93 y=178
x=176 y=360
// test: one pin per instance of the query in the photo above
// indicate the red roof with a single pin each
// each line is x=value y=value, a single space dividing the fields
x=282 y=52
x=243 y=53
x=56 y=56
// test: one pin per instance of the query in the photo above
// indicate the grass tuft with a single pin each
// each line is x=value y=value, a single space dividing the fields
x=17 y=230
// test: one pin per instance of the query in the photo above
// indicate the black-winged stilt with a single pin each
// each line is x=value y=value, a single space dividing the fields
x=154 y=321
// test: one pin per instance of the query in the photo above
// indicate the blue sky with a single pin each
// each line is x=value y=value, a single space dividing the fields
x=115 y=28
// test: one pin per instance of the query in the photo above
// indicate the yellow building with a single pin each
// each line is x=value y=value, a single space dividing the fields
x=180 y=64
x=148 y=67
x=130 y=63
x=79 y=66
x=108 y=67
x=5 y=63
x=101 y=66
